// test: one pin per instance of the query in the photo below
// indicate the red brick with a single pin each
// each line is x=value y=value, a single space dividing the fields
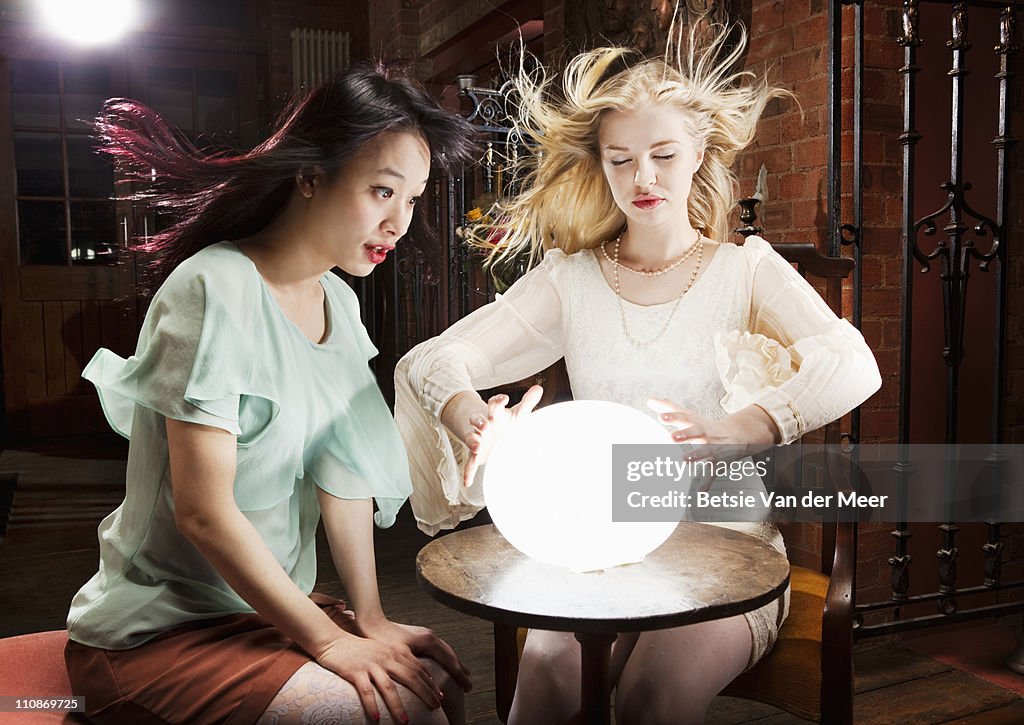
x=794 y=128
x=791 y=186
x=767 y=17
x=803 y=64
x=769 y=131
x=873 y=209
x=888 y=362
x=874 y=544
x=777 y=215
x=881 y=85
x=882 y=117
x=892 y=181
x=894 y=271
x=773 y=45
x=882 y=53
x=880 y=299
x=810 y=153
x=813 y=31
x=873 y=333
x=796 y=11
x=879 y=422
x=880 y=20
x=812 y=91
x=891 y=330
x=809 y=213
x=871 y=271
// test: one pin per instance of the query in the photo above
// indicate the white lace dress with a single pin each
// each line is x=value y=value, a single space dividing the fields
x=750 y=331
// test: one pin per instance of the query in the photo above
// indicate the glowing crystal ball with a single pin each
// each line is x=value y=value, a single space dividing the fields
x=548 y=485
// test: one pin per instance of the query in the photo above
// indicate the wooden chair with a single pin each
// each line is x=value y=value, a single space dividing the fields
x=809 y=671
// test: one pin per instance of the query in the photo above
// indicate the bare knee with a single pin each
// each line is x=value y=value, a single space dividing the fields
x=672 y=675
x=550 y=657
x=548 y=686
x=644 y=701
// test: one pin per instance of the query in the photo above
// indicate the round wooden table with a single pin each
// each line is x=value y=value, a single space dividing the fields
x=702 y=572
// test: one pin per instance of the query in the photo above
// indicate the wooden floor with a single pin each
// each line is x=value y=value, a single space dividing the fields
x=50 y=550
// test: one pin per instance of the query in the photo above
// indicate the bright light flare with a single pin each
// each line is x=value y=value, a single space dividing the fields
x=89 y=22
x=548 y=485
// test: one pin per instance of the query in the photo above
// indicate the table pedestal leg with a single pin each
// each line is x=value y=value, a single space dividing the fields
x=595 y=690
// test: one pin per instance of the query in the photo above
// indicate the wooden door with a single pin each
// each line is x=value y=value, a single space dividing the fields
x=67 y=277
x=67 y=273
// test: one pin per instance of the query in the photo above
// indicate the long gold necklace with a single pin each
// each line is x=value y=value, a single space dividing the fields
x=637 y=344
x=657 y=272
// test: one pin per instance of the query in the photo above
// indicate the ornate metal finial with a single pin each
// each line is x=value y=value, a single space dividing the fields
x=910 y=24
x=959 y=41
x=1007 y=31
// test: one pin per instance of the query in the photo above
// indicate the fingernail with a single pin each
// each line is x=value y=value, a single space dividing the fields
x=666 y=416
x=440 y=695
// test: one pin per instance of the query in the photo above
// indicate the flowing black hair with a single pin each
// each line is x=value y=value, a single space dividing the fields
x=213 y=197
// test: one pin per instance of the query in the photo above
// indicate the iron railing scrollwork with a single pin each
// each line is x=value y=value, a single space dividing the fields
x=958 y=228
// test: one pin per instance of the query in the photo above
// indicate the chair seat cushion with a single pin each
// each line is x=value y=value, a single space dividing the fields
x=32 y=666
x=789 y=676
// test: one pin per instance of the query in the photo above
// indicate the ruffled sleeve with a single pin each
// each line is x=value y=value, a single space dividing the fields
x=191 y=362
x=518 y=334
x=799 y=362
x=361 y=454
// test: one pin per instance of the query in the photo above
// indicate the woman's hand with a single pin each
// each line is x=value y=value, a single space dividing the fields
x=422 y=642
x=751 y=426
x=736 y=436
x=479 y=425
x=374 y=666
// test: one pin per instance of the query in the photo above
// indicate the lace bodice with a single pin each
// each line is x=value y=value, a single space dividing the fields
x=680 y=366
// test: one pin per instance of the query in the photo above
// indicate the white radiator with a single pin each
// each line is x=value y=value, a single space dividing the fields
x=317 y=55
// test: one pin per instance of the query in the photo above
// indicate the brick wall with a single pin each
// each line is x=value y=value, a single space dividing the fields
x=789 y=42
x=394 y=28
x=284 y=15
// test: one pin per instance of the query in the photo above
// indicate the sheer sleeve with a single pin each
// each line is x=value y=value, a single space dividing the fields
x=518 y=334
x=192 y=362
x=799 y=362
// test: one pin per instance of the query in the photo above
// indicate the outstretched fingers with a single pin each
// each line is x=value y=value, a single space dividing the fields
x=529 y=401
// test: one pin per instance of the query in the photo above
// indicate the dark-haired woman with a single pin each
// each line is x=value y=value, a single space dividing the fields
x=252 y=416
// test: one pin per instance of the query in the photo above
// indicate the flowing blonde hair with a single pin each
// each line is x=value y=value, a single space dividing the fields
x=563 y=199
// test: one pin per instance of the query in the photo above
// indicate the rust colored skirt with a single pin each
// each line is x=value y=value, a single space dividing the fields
x=225 y=670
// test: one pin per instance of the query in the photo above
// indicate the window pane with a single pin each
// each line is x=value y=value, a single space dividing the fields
x=93 y=233
x=35 y=91
x=41 y=232
x=170 y=93
x=89 y=174
x=217 y=103
x=85 y=89
x=40 y=164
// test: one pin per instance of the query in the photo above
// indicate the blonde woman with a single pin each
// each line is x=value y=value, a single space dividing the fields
x=638 y=289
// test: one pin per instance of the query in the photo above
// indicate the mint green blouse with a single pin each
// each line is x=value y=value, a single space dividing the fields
x=216 y=349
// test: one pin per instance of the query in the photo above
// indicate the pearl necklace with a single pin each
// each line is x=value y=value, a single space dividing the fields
x=637 y=344
x=657 y=272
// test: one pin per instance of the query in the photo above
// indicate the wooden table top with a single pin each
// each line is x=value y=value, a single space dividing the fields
x=701 y=572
